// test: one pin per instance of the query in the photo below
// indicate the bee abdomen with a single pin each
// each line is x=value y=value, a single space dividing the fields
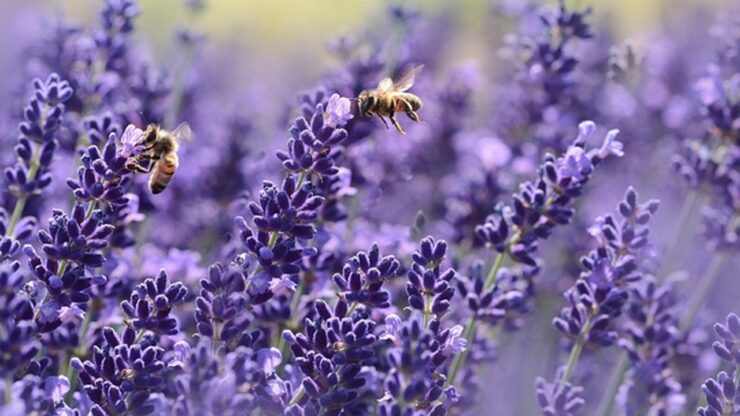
x=163 y=173
x=159 y=182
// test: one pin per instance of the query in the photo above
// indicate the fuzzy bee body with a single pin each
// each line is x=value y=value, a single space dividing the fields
x=390 y=97
x=160 y=152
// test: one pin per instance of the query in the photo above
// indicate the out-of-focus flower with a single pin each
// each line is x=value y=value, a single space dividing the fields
x=337 y=112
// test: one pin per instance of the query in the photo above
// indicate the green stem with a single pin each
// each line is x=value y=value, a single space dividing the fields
x=70 y=374
x=493 y=272
x=282 y=344
x=427 y=309
x=8 y=389
x=677 y=242
x=298 y=395
x=301 y=178
x=607 y=400
x=273 y=239
x=460 y=358
x=575 y=353
x=38 y=309
x=139 y=336
x=469 y=332
x=20 y=204
x=216 y=336
x=352 y=308
x=705 y=284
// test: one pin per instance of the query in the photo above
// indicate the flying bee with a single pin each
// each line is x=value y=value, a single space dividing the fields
x=390 y=97
x=160 y=153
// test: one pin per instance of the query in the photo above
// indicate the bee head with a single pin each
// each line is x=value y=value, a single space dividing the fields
x=150 y=135
x=366 y=102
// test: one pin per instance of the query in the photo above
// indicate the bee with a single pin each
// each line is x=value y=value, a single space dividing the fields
x=390 y=97
x=128 y=374
x=160 y=153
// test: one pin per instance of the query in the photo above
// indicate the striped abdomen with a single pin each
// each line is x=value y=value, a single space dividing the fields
x=163 y=172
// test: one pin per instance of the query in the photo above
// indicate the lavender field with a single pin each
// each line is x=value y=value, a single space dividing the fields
x=377 y=208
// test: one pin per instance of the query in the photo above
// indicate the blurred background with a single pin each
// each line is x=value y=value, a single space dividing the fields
x=256 y=49
x=268 y=35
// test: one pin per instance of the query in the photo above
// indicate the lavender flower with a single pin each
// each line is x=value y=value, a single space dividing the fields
x=331 y=354
x=313 y=147
x=429 y=287
x=363 y=276
x=540 y=206
x=650 y=386
x=288 y=209
x=151 y=304
x=122 y=375
x=36 y=145
x=723 y=396
x=602 y=290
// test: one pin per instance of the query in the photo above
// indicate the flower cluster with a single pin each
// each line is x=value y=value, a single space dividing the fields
x=122 y=375
x=540 y=206
x=429 y=286
x=37 y=142
x=151 y=304
x=363 y=276
x=601 y=292
x=364 y=272
x=651 y=337
x=722 y=392
x=330 y=354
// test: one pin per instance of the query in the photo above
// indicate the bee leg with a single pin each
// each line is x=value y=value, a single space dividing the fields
x=135 y=167
x=396 y=124
x=384 y=122
x=411 y=113
x=413 y=116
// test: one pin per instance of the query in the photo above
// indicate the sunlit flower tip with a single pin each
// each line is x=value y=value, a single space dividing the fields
x=611 y=145
x=282 y=286
x=182 y=352
x=131 y=141
x=56 y=387
x=338 y=111
x=70 y=313
x=387 y=397
x=344 y=183
x=709 y=90
x=575 y=164
x=49 y=311
x=275 y=389
x=451 y=396
x=455 y=344
x=586 y=129
x=260 y=282
x=392 y=328
x=268 y=359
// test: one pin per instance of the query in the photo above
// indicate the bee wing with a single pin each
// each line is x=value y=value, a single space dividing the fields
x=406 y=80
x=182 y=132
x=385 y=85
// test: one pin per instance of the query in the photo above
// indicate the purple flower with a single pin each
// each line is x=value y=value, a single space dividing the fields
x=283 y=286
x=611 y=146
x=132 y=143
x=455 y=343
x=181 y=355
x=56 y=387
x=70 y=313
x=268 y=359
x=338 y=111
x=275 y=389
x=575 y=164
x=392 y=329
